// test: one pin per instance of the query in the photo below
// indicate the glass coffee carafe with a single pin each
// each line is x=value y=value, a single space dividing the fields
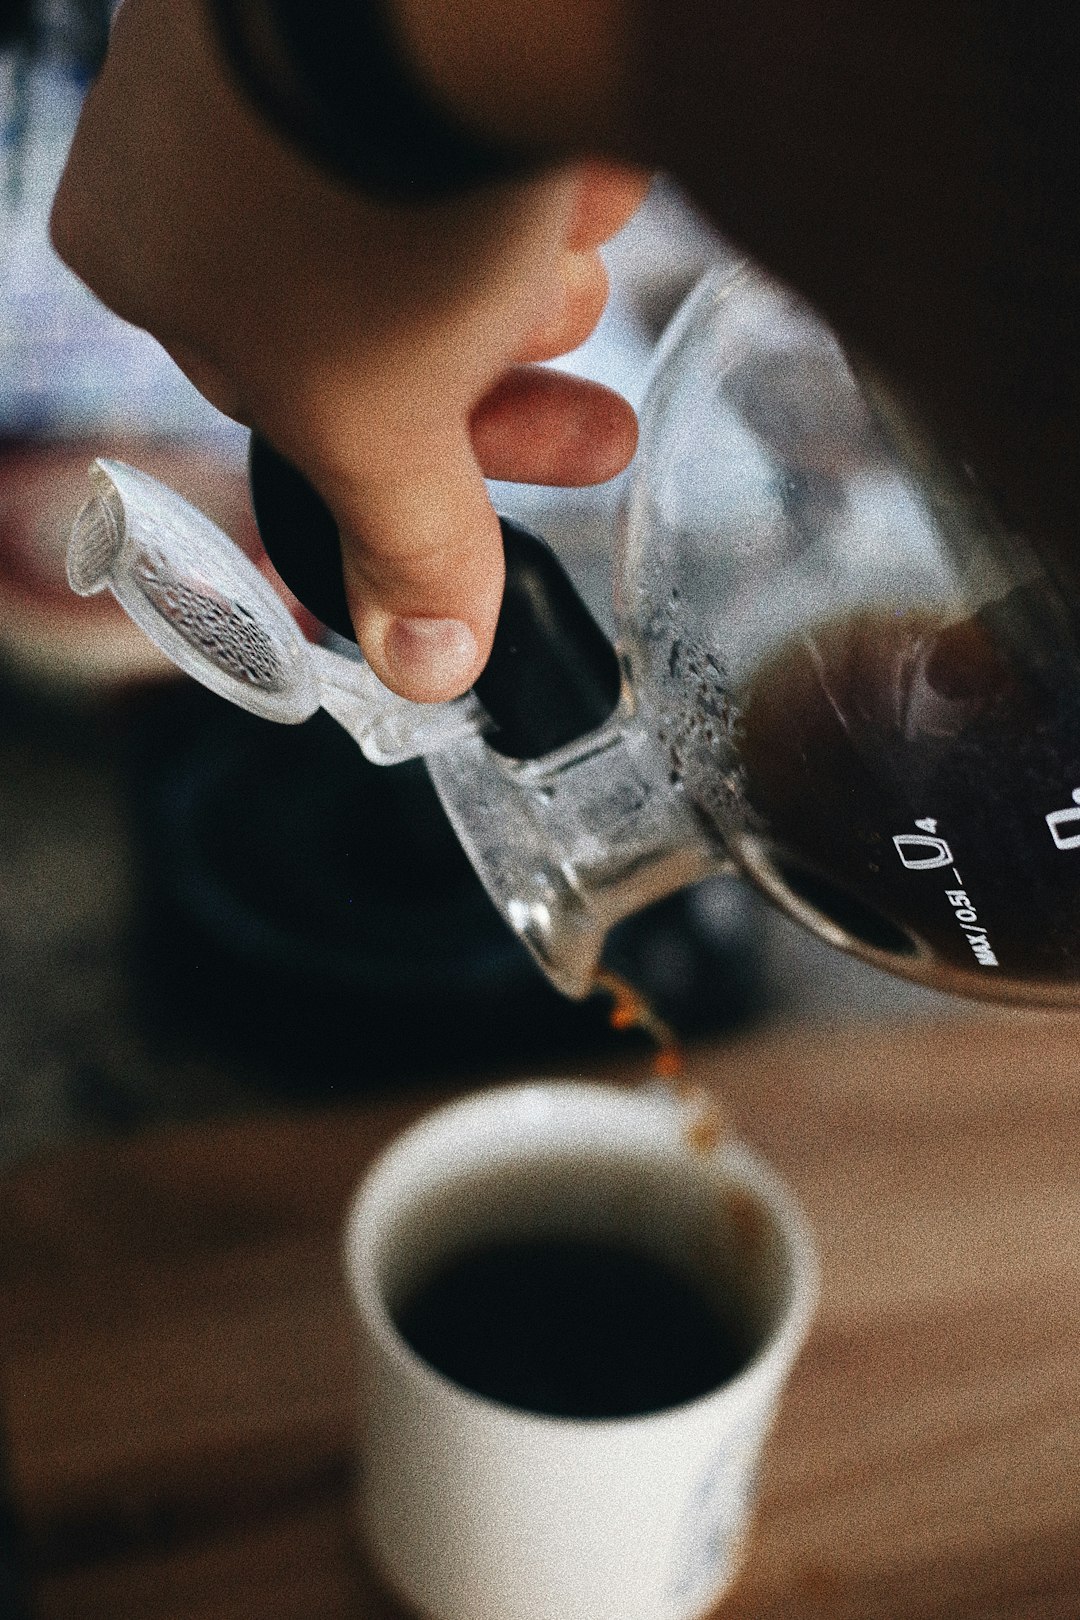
x=831 y=671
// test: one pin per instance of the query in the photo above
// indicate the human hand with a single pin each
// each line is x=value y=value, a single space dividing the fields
x=387 y=352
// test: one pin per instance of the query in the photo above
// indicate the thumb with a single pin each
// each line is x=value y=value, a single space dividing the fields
x=422 y=561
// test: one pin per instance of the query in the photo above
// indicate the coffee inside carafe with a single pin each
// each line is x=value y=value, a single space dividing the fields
x=913 y=785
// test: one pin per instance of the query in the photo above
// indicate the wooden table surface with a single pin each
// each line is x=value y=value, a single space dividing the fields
x=176 y=1361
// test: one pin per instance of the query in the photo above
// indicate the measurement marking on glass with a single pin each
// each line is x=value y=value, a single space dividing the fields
x=1063 y=824
x=924 y=851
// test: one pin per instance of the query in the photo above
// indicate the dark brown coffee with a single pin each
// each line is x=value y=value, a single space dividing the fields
x=917 y=783
x=572 y=1328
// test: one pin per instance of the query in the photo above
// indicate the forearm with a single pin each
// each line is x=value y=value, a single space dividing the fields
x=555 y=75
x=909 y=166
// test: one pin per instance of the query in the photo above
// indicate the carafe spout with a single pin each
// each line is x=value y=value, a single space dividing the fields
x=569 y=845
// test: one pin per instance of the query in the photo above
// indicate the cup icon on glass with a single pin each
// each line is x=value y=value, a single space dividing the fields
x=1064 y=825
x=921 y=852
x=574 y=1324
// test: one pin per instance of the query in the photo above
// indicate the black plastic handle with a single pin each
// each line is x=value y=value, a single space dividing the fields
x=552 y=676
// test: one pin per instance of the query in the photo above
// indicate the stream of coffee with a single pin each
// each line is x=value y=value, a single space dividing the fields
x=630 y=1010
x=705 y=1126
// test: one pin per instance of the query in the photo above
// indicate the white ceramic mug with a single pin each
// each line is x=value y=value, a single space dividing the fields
x=474 y=1510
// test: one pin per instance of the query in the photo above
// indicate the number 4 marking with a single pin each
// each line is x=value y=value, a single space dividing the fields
x=927 y=824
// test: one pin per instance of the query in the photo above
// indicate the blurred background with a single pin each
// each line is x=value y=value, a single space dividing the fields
x=201 y=912
x=207 y=917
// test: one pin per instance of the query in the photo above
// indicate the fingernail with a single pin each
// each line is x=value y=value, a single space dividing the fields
x=430 y=659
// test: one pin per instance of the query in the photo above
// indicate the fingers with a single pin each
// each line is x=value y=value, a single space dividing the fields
x=423 y=567
x=609 y=194
x=544 y=427
x=211 y=381
x=421 y=546
x=422 y=551
x=606 y=196
x=584 y=291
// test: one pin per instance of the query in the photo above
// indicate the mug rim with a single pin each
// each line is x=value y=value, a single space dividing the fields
x=731 y=1161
